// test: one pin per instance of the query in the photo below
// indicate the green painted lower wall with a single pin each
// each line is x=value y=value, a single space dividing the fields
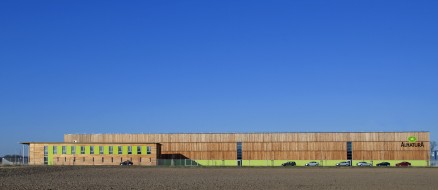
x=394 y=162
x=271 y=163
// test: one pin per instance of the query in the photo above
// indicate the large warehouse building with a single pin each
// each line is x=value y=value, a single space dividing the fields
x=234 y=149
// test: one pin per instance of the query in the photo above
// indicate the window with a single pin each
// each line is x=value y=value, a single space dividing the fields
x=82 y=149
x=119 y=150
x=73 y=150
x=129 y=149
x=239 y=150
x=55 y=150
x=349 y=151
x=100 y=149
x=112 y=159
x=46 y=150
x=138 y=149
x=64 y=151
x=239 y=154
x=92 y=150
x=111 y=149
x=148 y=150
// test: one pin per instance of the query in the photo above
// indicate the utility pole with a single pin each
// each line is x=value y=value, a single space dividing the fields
x=22 y=155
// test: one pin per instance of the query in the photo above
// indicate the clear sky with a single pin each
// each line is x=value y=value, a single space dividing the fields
x=215 y=66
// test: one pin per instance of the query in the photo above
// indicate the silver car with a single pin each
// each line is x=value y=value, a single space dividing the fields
x=364 y=164
x=313 y=163
x=345 y=163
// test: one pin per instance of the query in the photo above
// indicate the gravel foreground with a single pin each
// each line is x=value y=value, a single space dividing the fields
x=93 y=177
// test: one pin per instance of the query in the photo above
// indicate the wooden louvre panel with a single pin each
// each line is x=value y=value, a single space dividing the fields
x=267 y=146
x=248 y=137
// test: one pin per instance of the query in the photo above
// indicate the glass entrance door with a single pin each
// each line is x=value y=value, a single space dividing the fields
x=239 y=153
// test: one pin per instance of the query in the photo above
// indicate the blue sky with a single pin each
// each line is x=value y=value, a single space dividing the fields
x=215 y=66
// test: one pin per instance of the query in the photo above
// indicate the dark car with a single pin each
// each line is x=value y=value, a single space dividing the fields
x=403 y=164
x=290 y=163
x=126 y=163
x=383 y=164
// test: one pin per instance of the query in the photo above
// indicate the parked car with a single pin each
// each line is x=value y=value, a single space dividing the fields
x=364 y=164
x=290 y=163
x=383 y=164
x=345 y=163
x=403 y=164
x=313 y=163
x=126 y=163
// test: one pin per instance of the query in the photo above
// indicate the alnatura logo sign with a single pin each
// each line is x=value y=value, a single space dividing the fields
x=412 y=142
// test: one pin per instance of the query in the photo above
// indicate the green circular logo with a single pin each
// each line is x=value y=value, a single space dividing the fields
x=412 y=139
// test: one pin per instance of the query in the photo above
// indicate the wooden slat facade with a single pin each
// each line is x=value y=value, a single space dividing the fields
x=36 y=155
x=275 y=146
x=250 y=137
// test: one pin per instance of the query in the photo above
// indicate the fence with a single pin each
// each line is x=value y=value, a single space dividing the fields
x=14 y=161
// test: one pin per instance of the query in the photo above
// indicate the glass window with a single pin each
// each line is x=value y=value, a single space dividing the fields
x=46 y=150
x=148 y=150
x=111 y=148
x=64 y=151
x=82 y=149
x=129 y=149
x=100 y=149
x=239 y=150
x=349 y=151
x=91 y=149
x=73 y=149
x=119 y=150
x=55 y=150
x=138 y=149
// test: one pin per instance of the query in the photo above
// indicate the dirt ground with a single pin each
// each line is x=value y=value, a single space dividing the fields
x=75 y=177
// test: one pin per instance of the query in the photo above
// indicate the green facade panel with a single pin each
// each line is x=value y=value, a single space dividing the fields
x=50 y=155
x=96 y=150
x=87 y=149
x=134 y=150
x=105 y=150
x=143 y=149
x=68 y=150
x=59 y=150
x=124 y=150
x=116 y=150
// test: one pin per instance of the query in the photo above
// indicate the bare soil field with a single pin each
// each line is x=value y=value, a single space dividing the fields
x=91 y=177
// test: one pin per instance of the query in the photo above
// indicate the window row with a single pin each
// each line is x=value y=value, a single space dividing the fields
x=100 y=150
x=93 y=159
